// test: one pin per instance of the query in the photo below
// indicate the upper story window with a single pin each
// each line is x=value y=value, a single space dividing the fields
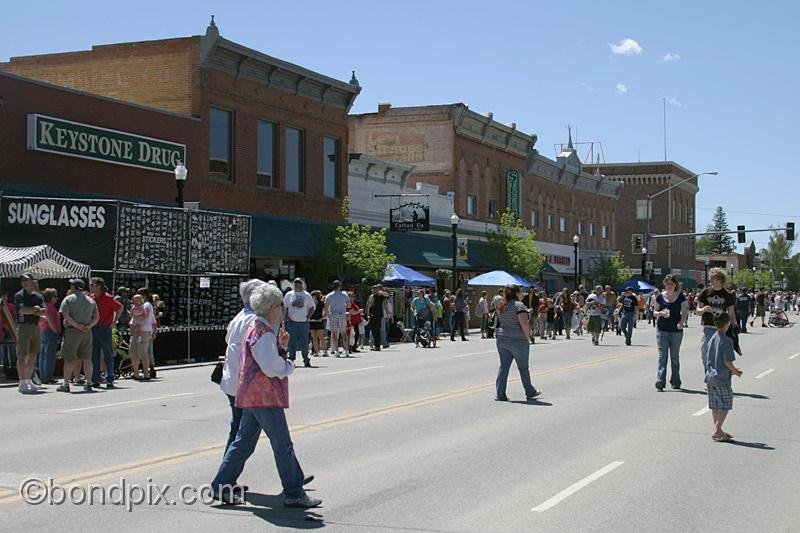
x=641 y=210
x=472 y=204
x=330 y=166
x=492 y=209
x=534 y=218
x=550 y=221
x=591 y=229
x=220 y=140
x=579 y=228
x=562 y=224
x=267 y=148
x=294 y=157
x=604 y=232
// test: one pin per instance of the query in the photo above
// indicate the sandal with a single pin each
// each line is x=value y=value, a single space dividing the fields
x=723 y=438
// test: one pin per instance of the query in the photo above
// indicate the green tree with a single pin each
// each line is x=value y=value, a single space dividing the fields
x=609 y=269
x=751 y=280
x=514 y=247
x=362 y=247
x=719 y=244
x=777 y=256
x=704 y=246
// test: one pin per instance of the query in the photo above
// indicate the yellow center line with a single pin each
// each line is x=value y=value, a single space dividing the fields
x=94 y=476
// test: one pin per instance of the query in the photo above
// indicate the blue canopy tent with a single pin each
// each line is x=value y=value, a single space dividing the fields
x=500 y=278
x=401 y=276
x=637 y=284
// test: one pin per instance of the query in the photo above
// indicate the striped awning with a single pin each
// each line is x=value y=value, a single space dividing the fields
x=42 y=261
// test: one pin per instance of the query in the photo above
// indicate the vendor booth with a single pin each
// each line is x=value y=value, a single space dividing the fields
x=193 y=259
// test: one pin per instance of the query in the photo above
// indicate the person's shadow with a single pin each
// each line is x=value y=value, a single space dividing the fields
x=532 y=402
x=269 y=507
x=756 y=445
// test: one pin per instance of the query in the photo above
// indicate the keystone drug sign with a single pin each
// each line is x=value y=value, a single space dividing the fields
x=64 y=137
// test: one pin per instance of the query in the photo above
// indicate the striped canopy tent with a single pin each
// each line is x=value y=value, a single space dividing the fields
x=43 y=261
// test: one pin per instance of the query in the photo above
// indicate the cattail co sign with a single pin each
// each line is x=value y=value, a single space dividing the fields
x=64 y=137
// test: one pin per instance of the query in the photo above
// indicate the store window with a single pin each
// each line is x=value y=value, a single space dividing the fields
x=294 y=151
x=330 y=164
x=266 y=173
x=472 y=203
x=219 y=143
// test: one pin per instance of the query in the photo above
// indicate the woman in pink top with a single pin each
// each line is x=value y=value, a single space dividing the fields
x=50 y=326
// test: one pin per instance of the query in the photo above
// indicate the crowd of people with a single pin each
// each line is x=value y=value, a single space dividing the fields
x=79 y=328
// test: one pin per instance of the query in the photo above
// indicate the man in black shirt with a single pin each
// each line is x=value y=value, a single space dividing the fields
x=630 y=305
x=30 y=308
x=375 y=304
x=761 y=306
x=712 y=302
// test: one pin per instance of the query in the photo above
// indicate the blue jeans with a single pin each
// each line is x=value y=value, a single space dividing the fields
x=236 y=419
x=383 y=333
x=626 y=324
x=567 y=318
x=101 y=342
x=610 y=321
x=741 y=318
x=448 y=322
x=47 y=356
x=298 y=335
x=514 y=350
x=669 y=345
x=273 y=422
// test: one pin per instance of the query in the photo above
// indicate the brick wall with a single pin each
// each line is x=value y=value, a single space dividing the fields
x=32 y=169
x=158 y=74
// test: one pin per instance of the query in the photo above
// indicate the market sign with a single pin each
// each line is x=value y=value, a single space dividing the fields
x=412 y=216
x=514 y=191
x=64 y=137
x=82 y=230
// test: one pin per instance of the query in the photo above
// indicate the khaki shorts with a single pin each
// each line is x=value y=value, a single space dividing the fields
x=76 y=345
x=139 y=345
x=29 y=339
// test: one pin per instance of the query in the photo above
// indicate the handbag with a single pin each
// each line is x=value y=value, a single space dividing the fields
x=216 y=374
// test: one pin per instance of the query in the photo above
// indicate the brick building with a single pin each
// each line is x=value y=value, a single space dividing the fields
x=264 y=137
x=671 y=212
x=488 y=167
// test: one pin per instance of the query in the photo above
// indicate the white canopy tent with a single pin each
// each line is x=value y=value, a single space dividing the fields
x=43 y=261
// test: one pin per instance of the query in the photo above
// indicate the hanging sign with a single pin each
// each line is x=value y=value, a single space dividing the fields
x=462 y=249
x=410 y=217
x=514 y=191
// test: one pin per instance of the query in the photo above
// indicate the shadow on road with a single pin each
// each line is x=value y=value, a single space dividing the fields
x=754 y=396
x=269 y=507
x=532 y=402
x=756 y=445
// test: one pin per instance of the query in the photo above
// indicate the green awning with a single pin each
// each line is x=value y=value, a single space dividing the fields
x=288 y=238
x=689 y=283
x=420 y=250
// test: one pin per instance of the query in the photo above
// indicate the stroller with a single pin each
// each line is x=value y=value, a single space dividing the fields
x=778 y=318
x=424 y=333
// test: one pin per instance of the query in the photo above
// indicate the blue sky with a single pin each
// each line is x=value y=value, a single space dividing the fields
x=731 y=76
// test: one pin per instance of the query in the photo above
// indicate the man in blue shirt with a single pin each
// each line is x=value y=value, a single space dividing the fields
x=743 y=302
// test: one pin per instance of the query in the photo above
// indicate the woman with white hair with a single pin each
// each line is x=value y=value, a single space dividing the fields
x=262 y=392
x=237 y=328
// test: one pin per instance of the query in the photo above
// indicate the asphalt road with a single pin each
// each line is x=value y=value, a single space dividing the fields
x=411 y=440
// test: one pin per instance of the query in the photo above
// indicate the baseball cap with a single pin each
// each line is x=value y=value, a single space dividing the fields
x=298 y=280
x=27 y=275
x=78 y=283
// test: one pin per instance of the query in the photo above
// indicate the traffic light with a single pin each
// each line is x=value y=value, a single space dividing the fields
x=637 y=243
x=790 y=231
x=740 y=234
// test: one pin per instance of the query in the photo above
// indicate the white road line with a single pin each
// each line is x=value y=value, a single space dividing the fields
x=793 y=356
x=575 y=487
x=349 y=371
x=471 y=354
x=701 y=412
x=765 y=372
x=128 y=402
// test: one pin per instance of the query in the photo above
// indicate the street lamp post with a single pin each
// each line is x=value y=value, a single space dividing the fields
x=454 y=222
x=180 y=181
x=575 y=241
x=649 y=203
x=754 y=279
x=644 y=264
